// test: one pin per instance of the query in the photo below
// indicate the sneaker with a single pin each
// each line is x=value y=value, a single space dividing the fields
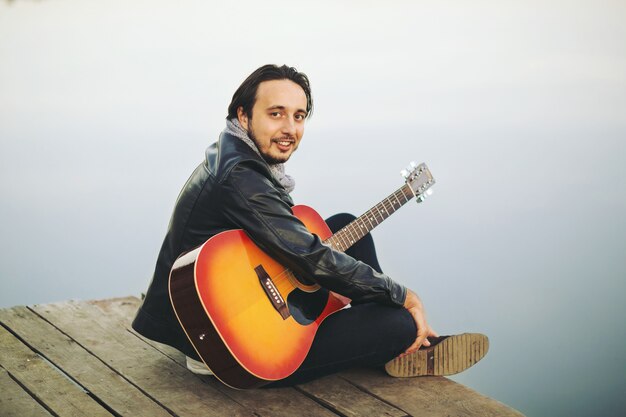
x=447 y=355
x=198 y=367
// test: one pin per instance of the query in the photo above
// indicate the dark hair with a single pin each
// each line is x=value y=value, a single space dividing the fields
x=245 y=96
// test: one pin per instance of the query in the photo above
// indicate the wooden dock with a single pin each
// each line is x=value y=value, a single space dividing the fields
x=83 y=359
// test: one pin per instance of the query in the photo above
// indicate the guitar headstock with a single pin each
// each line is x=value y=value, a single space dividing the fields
x=419 y=179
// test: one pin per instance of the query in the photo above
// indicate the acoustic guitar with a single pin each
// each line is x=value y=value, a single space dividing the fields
x=251 y=320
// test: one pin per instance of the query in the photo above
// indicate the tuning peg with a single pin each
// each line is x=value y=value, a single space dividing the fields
x=413 y=164
x=420 y=198
x=404 y=173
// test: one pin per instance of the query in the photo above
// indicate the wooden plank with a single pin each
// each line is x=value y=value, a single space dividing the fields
x=424 y=396
x=87 y=370
x=277 y=402
x=44 y=382
x=268 y=401
x=124 y=308
x=348 y=400
x=158 y=376
x=15 y=402
x=428 y=396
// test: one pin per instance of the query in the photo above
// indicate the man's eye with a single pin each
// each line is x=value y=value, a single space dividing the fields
x=275 y=114
x=299 y=116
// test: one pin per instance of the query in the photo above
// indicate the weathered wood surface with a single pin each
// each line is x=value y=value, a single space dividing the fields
x=83 y=359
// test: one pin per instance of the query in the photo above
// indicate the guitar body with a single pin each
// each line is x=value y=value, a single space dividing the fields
x=249 y=331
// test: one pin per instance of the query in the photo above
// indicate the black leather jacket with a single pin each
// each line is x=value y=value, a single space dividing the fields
x=234 y=189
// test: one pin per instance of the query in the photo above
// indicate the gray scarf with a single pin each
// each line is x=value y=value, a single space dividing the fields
x=233 y=127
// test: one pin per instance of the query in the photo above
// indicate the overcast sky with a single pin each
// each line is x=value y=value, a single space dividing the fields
x=518 y=107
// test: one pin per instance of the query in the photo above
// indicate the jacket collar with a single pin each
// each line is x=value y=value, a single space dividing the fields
x=228 y=152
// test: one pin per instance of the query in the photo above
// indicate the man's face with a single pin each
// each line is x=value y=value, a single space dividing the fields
x=277 y=122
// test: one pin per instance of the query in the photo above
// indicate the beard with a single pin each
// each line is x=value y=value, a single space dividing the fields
x=268 y=158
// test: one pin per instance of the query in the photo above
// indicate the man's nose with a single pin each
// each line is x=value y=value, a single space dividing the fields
x=289 y=126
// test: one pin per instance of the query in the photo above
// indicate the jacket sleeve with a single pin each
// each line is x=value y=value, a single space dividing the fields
x=251 y=201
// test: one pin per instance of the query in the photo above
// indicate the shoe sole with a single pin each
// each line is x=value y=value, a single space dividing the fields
x=198 y=367
x=450 y=356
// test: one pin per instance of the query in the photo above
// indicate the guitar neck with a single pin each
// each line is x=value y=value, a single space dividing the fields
x=361 y=226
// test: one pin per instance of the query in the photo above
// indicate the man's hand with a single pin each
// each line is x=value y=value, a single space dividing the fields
x=414 y=305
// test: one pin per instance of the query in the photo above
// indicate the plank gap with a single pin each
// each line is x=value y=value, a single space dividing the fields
x=102 y=361
x=58 y=370
x=366 y=391
x=204 y=378
x=320 y=401
x=200 y=377
x=45 y=359
x=155 y=347
x=26 y=390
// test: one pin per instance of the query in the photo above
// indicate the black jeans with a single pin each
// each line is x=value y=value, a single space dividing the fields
x=367 y=334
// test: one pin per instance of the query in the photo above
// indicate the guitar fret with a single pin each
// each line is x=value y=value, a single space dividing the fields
x=363 y=227
x=353 y=239
x=385 y=206
x=368 y=216
x=380 y=214
x=346 y=240
x=343 y=242
x=382 y=210
x=405 y=198
x=359 y=230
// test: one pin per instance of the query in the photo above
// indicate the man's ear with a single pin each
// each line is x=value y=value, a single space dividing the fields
x=242 y=117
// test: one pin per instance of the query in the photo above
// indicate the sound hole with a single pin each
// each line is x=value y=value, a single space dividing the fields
x=306 y=307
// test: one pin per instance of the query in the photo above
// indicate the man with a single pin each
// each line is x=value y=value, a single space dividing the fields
x=242 y=184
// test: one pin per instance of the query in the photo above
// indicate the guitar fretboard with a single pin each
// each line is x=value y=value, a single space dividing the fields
x=361 y=226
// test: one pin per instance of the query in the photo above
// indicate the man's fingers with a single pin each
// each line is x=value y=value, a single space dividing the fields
x=423 y=338
x=420 y=340
x=410 y=350
x=423 y=329
x=422 y=332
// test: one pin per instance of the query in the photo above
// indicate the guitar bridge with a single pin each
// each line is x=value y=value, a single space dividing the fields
x=272 y=293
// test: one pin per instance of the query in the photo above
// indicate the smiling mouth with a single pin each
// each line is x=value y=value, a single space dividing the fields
x=283 y=141
x=284 y=144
